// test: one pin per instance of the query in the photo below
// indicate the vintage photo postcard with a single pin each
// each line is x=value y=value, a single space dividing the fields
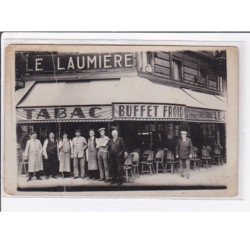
x=120 y=121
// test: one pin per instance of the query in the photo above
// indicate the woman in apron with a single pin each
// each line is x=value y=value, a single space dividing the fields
x=64 y=146
x=92 y=156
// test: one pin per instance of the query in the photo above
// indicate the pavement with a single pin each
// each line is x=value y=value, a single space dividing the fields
x=216 y=175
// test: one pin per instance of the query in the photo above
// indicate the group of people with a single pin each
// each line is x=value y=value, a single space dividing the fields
x=104 y=156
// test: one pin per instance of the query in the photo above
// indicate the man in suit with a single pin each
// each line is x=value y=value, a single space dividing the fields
x=184 y=149
x=117 y=153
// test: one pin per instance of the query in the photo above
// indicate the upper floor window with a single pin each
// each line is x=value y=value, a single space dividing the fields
x=177 y=70
x=203 y=74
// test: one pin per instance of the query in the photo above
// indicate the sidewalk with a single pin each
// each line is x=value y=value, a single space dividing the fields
x=216 y=175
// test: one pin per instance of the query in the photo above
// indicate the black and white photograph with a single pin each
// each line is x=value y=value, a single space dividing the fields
x=121 y=118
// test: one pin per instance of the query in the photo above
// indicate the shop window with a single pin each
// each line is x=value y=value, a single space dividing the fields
x=177 y=130
x=170 y=131
x=209 y=130
x=177 y=70
x=160 y=131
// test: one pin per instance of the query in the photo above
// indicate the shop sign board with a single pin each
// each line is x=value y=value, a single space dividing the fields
x=61 y=113
x=143 y=111
x=198 y=114
x=34 y=63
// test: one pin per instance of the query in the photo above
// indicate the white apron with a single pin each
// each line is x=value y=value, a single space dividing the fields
x=33 y=152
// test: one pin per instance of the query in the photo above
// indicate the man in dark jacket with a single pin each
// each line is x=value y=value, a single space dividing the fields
x=117 y=153
x=184 y=149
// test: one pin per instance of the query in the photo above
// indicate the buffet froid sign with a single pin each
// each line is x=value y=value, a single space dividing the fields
x=48 y=62
x=125 y=111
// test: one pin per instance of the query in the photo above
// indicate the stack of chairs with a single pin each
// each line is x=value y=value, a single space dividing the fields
x=171 y=161
x=136 y=163
x=206 y=156
x=217 y=155
x=159 y=161
x=195 y=160
x=147 y=162
x=128 y=168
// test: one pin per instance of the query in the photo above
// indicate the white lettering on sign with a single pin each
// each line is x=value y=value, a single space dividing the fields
x=38 y=64
x=74 y=61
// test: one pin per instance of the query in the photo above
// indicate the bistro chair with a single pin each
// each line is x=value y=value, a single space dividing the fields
x=206 y=156
x=160 y=161
x=217 y=155
x=147 y=163
x=23 y=169
x=195 y=160
x=128 y=168
x=136 y=163
x=170 y=161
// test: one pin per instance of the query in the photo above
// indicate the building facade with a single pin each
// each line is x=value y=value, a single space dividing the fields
x=148 y=96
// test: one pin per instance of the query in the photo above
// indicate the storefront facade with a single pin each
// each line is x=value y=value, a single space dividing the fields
x=148 y=96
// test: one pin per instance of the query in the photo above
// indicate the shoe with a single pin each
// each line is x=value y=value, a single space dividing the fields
x=101 y=179
x=108 y=180
x=53 y=176
x=39 y=178
x=75 y=177
x=29 y=179
x=119 y=183
x=182 y=175
x=112 y=182
x=93 y=178
x=83 y=177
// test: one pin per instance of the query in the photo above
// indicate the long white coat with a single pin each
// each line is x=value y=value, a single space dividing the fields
x=33 y=152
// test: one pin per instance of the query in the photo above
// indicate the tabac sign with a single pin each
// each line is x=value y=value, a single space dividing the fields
x=31 y=63
x=57 y=114
x=128 y=111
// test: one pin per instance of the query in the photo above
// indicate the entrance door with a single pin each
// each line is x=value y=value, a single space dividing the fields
x=196 y=134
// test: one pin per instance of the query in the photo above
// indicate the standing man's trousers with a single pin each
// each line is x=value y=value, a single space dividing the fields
x=116 y=169
x=102 y=157
x=184 y=164
x=82 y=166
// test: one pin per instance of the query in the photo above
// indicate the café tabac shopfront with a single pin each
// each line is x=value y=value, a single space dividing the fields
x=146 y=114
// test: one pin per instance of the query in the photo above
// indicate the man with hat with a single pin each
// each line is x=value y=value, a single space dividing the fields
x=33 y=153
x=79 y=144
x=184 y=149
x=117 y=153
x=102 y=155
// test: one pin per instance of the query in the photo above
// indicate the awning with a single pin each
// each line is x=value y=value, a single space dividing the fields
x=97 y=100
x=105 y=92
x=209 y=101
